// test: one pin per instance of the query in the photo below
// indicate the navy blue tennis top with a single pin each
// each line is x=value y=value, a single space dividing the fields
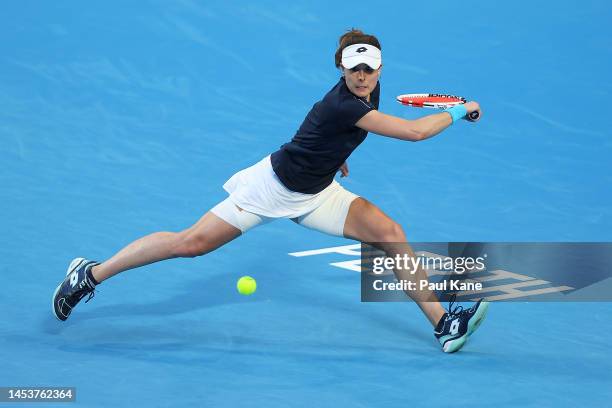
x=326 y=138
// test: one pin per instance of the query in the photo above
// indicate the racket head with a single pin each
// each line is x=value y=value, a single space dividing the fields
x=434 y=101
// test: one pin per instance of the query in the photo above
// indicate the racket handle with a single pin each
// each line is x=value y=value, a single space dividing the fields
x=474 y=115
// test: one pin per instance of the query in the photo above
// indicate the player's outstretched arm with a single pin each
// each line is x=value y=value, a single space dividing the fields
x=410 y=130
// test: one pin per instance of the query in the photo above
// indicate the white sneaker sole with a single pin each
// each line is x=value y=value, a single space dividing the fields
x=478 y=318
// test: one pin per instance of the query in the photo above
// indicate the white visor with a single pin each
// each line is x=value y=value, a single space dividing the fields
x=356 y=54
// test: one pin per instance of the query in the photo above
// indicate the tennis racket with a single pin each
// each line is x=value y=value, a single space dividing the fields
x=434 y=101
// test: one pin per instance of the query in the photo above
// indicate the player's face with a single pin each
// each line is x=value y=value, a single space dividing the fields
x=361 y=80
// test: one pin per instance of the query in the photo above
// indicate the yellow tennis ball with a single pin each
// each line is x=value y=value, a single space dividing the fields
x=246 y=285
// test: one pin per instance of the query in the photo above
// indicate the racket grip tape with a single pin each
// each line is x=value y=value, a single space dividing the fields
x=474 y=115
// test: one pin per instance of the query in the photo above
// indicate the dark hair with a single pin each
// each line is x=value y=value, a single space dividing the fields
x=354 y=36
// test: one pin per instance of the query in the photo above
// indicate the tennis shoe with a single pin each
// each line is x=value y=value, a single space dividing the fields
x=77 y=284
x=458 y=324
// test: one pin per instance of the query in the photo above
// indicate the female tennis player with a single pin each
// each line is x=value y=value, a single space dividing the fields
x=297 y=182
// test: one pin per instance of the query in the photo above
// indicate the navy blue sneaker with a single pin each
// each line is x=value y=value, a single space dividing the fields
x=77 y=284
x=457 y=325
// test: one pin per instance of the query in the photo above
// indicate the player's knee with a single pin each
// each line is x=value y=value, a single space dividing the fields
x=189 y=245
x=391 y=232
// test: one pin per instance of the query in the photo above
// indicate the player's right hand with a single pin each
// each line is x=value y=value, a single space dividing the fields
x=472 y=107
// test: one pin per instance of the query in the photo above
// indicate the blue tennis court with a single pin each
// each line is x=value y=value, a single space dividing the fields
x=121 y=119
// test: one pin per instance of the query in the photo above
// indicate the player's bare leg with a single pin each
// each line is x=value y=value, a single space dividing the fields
x=367 y=223
x=208 y=234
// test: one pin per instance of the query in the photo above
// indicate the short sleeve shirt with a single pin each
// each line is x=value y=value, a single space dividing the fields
x=326 y=138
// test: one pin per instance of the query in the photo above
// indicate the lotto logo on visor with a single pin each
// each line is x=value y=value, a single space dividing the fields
x=356 y=54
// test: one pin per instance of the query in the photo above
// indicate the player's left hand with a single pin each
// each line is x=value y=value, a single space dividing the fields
x=344 y=170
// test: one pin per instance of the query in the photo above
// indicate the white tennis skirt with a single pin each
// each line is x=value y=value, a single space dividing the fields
x=258 y=189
